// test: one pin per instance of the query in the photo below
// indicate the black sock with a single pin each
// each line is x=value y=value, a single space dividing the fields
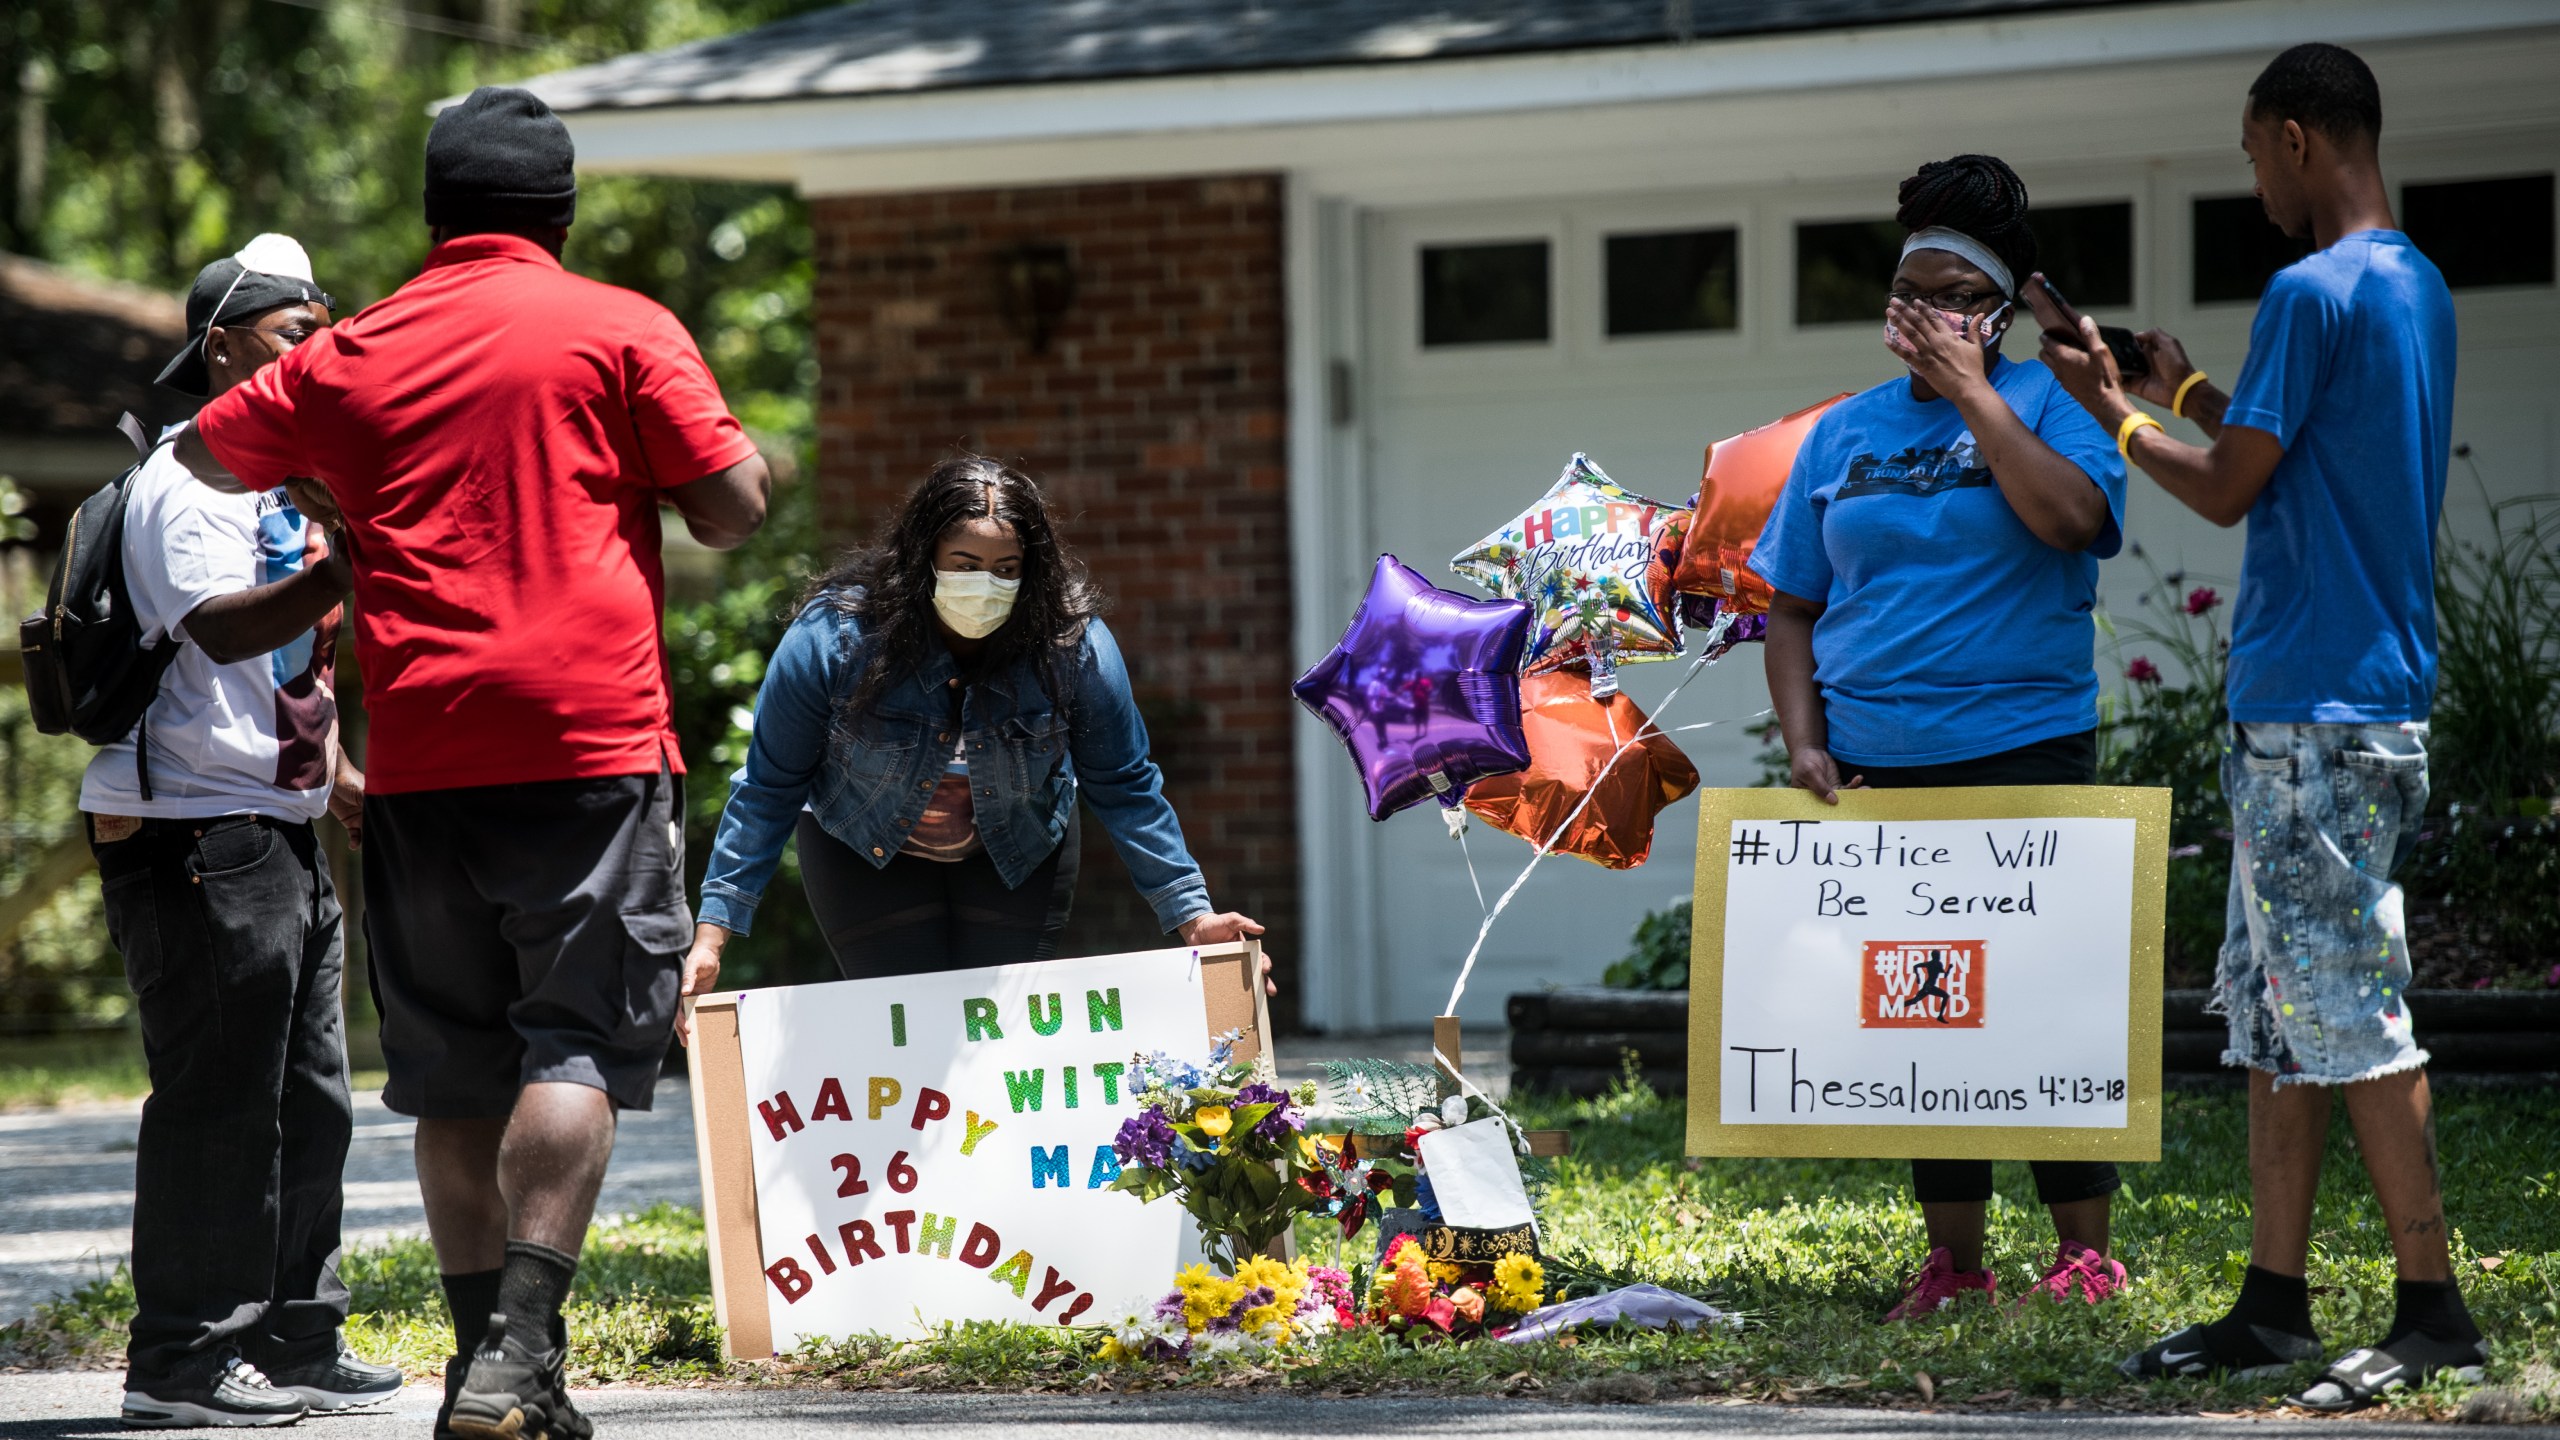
x=470 y=1299
x=2432 y=1308
x=533 y=1288
x=2268 y=1301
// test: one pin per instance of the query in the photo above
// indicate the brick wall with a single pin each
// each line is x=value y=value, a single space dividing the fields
x=1156 y=418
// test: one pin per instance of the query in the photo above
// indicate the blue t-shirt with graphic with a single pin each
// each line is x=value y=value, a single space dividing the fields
x=2351 y=369
x=1952 y=632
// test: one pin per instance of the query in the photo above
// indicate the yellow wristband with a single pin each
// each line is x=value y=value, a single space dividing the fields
x=2178 y=402
x=2124 y=433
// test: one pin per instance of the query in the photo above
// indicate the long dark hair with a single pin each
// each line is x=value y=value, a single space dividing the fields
x=888 y=585
x=1975 y=195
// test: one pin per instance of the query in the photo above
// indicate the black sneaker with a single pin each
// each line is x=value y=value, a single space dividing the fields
x=515 y=1392
x=2363 y=1376
x=227 y=1391
x=455 y=1370
x=2197 y=1350
x=332 y=1378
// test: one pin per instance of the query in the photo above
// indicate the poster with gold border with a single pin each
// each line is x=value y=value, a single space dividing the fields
x=1946 y=973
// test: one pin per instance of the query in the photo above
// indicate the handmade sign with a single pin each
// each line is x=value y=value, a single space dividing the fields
x=1587 y=557
x=1928 y=973
x=883 y=1155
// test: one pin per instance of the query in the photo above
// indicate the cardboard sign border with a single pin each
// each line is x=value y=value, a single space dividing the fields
x=1233 y=1001
x=2139 y=1139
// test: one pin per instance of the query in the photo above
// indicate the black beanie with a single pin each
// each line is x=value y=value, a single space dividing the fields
x=500 y=158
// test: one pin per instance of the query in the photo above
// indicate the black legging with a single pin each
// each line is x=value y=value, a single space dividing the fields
x=914 y=917
x=2062 y=760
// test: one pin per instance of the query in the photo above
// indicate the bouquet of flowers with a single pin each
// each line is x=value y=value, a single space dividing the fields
x=1222 y=1142
x=1267 y=1303
x=1422 y=1298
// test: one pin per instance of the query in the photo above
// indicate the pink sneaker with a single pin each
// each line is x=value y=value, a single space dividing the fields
x=1937 y=1285
x=2076 y=1264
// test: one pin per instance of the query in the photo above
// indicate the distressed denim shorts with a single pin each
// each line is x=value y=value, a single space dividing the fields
x=2314 y=974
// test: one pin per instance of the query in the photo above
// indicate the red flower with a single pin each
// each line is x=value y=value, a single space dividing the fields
x=2201 y=599
x=2142 y=671
x=1440 y=1313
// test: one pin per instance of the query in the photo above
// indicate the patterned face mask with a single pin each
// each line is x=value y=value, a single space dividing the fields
x=1987 y=329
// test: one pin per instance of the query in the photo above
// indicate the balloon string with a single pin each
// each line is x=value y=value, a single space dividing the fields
x=1728 y=720
x=1471 y=869
x=1724 y=622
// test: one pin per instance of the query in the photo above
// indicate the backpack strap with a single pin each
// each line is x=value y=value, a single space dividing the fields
x=131 y=429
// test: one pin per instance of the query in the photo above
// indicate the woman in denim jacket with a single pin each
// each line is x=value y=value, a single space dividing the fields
x=926 y=727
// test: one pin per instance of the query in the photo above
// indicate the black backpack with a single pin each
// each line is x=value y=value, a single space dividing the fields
x=88 y=672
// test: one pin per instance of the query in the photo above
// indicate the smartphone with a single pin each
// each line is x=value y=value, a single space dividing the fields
x=2130 y=361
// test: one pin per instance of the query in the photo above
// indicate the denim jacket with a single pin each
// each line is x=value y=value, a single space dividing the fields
x=867 y=780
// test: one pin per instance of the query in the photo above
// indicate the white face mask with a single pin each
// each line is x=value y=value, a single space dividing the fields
x=974 y=603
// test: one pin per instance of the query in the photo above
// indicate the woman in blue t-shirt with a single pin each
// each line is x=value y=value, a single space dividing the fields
x=1935 y=556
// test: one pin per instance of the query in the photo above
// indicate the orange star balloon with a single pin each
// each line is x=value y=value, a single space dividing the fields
x=1571 y=737
x=1743 y=476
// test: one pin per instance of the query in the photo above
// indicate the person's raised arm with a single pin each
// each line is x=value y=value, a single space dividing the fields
x=784 y=753
x=2218 y=481
x=248 y=623
x=202 y=463
x=724 y=508
x=2059 y=502
x=1788 y=654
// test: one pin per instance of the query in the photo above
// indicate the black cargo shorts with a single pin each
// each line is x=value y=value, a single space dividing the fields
x=524 y=933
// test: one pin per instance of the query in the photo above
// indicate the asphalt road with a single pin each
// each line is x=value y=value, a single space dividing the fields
x=66 y=1184
x=43 y=1407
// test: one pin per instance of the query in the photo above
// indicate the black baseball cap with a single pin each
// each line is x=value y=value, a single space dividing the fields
x=269 y=271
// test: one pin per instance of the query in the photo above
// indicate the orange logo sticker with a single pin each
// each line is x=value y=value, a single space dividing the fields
x=1909 y=984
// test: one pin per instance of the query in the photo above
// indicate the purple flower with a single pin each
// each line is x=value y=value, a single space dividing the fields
x=2554 y=977
x=1145 y=1138
x=1282 y=1122
x=2142 y=671
x=2201 y=599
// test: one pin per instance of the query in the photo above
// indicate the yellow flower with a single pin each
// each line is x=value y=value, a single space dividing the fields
x=1287 y=1281
x=1113 y=1352
x=1447 y=1273
x=1517 y=1283
x=1213 y=1120
x=1206 y=1295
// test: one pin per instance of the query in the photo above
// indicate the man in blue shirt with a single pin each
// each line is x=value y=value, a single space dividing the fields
x=2333 y=446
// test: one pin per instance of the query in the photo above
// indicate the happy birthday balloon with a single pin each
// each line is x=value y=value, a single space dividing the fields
x=1571 y=737
x=1744 y=474
x=1424 y=689
x=1587 y=557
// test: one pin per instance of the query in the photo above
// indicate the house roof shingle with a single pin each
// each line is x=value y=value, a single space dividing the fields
x=903 y=46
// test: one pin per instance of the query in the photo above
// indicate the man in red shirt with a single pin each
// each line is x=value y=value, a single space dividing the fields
x=495 y=440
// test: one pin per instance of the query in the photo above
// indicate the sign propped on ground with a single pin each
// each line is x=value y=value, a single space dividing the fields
x=1962 y=973
x=881 y=1156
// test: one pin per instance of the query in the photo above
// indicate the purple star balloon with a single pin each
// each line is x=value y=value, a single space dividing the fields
x=1424 y=689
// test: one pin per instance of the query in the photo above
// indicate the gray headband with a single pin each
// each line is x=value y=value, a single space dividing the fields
x=1957 y=243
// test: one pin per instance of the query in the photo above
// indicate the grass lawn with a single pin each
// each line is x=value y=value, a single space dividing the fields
x=1809 y=1252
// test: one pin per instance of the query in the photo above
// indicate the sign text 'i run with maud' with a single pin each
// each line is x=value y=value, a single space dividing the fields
x=936 y=1148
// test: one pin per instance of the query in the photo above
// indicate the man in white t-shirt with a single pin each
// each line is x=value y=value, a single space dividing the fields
x=219 y=896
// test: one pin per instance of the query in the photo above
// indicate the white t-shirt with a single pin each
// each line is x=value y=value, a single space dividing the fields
x=258 y=737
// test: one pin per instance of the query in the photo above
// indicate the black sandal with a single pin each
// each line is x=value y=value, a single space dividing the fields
x=2363 y=1376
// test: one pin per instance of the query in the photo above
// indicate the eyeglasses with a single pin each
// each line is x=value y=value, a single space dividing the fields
x=1958 y=300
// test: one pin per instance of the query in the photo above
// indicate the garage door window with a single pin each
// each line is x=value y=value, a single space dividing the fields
x=2237 y=251
x=2483 y=232
x=1486 y=294
x=1844 y=268
x=2087 y=250
x=1672 y=282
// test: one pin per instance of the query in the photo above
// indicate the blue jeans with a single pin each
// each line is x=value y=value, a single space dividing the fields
x=2314 y=972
